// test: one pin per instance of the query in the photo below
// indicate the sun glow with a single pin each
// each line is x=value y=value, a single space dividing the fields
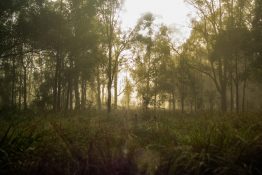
x=174 y=13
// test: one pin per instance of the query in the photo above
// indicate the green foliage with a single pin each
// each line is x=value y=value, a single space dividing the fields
x=257 y=38
x=17 y=145
x=131 y=144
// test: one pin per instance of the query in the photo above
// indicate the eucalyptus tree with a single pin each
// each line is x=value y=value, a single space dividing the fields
x=10 y=51
x=127 y=92
x=84 y=52
x=108 y=12
x=163 y=66
x=63 y=37
x=216 y=17
x=257 y=38
x=142 y=48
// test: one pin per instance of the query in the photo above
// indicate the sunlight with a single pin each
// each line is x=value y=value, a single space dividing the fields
x=152 y=87
x=174 y=13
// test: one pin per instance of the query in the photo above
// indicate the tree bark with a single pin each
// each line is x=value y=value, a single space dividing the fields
x=237 y=85
x=77 y=96
x=173 y=101
x=98 y=90
x=115 y=88
x=20 y=92
x=25 y=88
x=109 y=84
x=13 y=95
x=182 y=103
x=231 y=93
x=223 y=100
x=244 y=88
x=83 y=95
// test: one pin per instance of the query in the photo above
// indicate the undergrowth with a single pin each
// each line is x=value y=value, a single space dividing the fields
x=131 y=142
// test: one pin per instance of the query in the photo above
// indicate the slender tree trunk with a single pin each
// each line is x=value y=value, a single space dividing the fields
x=244 y=96
x=103 y=93
x=25 y=88
x=231 y=93
x=13 y=96
x=237 y=85
x=77 y=96
x=191 y=106
x=115 y=89
x=68 y=94
x=55 y=86
x=98 y=90
x=173 y=101
x=20 y=92
x=223 y=82
x=244 y=88
x=182 y=103
x=71 y=98
x=128 y=102
x=170 y=102
x=109 y=84
x=29 y=86
x=195 y=103
x=155 y=101
x=83 y=95
x=70 y=86
x=59 y=83
x=223 y=100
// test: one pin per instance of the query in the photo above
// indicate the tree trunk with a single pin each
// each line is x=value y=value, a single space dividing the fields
x=109 y=85
x=237 y=85
x=77 y=96
x=223 y=99
x=25 y=88
x=173 y=101
x=13 y=95
x=59 y=83
x=98 y=90
x=182 y=103
x=55 y=86
x=115 y=89
x=170 y=102
x=83 y=95
x=20 y=92
x=244 y=95
x=103 y=93
x=195 y=104
x=155 y=101
x=231 y=93
x=244 y=87
x=68 y=94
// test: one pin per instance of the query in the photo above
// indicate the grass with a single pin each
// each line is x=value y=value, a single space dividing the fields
x=132 y=143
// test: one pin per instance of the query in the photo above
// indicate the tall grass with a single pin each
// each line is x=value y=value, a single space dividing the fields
x=132 y=142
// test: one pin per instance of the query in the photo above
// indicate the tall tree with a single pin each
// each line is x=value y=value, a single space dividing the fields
x=109 y=11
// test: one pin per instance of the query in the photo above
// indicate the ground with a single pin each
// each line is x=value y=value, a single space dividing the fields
x=131 y=142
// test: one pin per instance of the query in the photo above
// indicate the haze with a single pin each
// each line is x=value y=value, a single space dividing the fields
x=174 y=13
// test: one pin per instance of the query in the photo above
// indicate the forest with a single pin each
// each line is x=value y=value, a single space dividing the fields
x=81 y=95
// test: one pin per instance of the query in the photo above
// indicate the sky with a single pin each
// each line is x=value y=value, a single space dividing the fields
x=174 y=13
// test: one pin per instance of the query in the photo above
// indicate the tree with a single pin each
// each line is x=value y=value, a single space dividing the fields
x=144 y=70
x=216 y=17
x=257 y=38
x=109 y=11
x=127 y=92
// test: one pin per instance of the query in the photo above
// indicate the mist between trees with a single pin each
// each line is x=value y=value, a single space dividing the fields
x=68 y=55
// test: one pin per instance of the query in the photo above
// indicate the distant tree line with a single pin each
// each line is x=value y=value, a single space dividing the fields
x=68 y=55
